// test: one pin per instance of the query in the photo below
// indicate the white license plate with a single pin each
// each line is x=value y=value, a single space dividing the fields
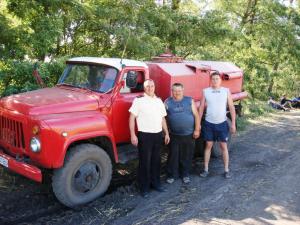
x=3 y=161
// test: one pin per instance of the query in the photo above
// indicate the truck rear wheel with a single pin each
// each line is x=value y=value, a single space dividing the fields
x=216 y=150
x=86 y=175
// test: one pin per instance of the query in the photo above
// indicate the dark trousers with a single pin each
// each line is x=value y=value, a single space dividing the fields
x=180 y=156
x=149 y=145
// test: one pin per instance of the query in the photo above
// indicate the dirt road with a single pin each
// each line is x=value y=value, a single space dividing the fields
x=265 y=188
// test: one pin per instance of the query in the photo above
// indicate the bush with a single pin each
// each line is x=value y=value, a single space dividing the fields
x=17 y=76
x=252 y=108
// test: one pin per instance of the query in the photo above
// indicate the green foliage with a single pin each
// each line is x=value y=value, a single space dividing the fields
x=252 y=109
x=266 y=45
x=255 y=108
x=262 y=37
x=16 y=76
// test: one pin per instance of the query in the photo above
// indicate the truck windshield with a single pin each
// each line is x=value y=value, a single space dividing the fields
x=99 y=78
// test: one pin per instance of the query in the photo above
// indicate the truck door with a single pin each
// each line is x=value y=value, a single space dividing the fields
x=121 y=105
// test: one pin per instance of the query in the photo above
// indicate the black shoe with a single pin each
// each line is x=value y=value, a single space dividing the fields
x=145 y=194
x=159 y=189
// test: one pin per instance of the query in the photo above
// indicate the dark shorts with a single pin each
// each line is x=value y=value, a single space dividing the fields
x=215 y=132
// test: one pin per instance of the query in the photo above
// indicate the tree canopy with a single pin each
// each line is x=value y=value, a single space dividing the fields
x=260 y=36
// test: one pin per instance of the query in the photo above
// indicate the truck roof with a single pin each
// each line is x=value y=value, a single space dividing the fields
x=114 y=62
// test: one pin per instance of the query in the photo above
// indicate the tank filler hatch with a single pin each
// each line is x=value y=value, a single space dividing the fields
x=167 y=57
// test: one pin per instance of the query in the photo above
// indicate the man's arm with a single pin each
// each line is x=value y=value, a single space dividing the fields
x=196 y=133
x=134 y=139
x=201 y=109
x=166 y=131
x=232 y=112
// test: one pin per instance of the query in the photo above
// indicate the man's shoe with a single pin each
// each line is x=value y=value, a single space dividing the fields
x=159 y=189
x=186 y=180
x=145 y=194
x=227 y=175
x=170 y=180
x=204 y=173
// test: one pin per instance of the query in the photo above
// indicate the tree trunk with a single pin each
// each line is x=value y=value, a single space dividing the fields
x=271 y=82
x=249 y=14
x=270 y=87
x=175 y=4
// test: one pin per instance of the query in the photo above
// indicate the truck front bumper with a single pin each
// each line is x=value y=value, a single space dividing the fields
x=22 y=168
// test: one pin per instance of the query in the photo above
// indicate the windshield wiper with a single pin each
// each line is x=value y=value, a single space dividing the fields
x=70 y=85
x=85 y=88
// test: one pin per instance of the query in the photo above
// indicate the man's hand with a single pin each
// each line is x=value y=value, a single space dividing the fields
x=134 y=140
x=196 y=134
x=167 y=139
x=233 y=129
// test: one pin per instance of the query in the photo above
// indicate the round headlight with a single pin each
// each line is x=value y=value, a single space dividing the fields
x=35 y=144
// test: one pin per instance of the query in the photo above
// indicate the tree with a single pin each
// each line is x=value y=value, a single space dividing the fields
x=265 y=44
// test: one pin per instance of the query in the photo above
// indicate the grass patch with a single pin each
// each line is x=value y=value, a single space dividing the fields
x=252 y=109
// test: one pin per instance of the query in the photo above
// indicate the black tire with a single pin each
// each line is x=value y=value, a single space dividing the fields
x=216 y=150
x=86 y=175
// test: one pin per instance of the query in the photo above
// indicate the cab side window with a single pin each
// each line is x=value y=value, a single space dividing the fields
x=140 y=82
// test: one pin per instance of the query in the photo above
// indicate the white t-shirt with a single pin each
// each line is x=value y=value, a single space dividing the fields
x=149 y=112
x=216 y=101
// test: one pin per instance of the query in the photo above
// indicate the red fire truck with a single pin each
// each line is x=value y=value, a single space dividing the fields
x=79 y=128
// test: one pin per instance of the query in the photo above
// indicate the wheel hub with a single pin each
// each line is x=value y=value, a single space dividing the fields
x=86 y=177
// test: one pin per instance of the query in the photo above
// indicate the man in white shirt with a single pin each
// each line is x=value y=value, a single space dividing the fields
x=149 y=112
x=215 y=128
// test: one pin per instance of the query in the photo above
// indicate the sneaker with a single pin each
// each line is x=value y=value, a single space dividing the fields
x=186 y=180
x=227 y=175
x=204 y=173
x=170 y=180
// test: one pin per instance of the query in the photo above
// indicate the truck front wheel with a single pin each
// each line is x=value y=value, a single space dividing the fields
x=86 y=175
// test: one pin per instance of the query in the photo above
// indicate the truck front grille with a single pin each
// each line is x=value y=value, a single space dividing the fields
x=11 y=132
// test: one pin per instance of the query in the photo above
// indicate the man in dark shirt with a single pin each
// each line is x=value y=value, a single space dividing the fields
x=275 y=105
x=285 y=102
x=183 y=120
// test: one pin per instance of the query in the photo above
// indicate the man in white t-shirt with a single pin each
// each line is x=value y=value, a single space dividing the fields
x=149 y=113
x=215 y=128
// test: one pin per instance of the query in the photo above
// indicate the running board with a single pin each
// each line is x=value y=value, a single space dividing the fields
x=126 y=153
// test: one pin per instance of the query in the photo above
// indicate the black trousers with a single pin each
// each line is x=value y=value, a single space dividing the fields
x=180 y=156
x=149 y=146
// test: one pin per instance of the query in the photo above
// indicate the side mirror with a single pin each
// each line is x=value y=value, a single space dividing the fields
x=131 y=79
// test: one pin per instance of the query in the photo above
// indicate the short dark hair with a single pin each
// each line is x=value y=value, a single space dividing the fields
x=177 y=85
x=215 y=73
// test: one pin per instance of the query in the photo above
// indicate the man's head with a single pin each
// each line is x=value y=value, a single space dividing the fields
x=149 y=87
x=215 y=79
x=177 y=91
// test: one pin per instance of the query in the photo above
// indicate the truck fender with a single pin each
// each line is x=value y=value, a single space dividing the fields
x=96 y=127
